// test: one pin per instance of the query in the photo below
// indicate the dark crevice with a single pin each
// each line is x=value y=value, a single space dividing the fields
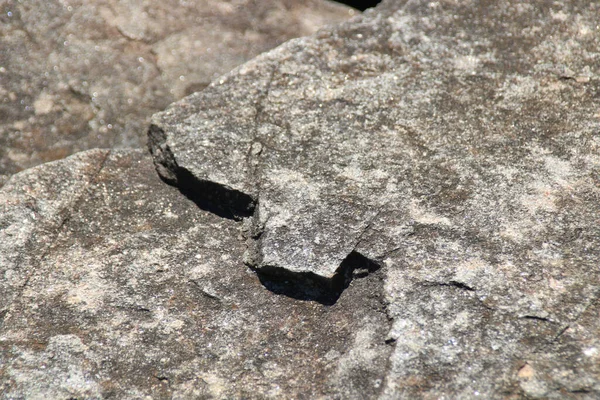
x=559 y=334
x=456 y=284
x=461 y=285
x=163 y=380
x=361 y=5
x=221 y=200
x=582 y=390
x=308 y=286
x=536 y=318
x=212 y=197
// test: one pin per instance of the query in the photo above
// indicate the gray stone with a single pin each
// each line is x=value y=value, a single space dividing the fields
x=454 y=144
x=83 y=74
x=116 y=285
x=419 y=190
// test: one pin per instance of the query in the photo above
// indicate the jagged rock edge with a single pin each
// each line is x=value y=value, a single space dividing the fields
x=309 y=286
x=230 y=203
x=219 y=199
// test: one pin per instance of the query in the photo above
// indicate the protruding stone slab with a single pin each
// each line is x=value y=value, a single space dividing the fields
x=324 y=133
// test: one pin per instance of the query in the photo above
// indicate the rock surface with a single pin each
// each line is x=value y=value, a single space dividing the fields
x=419 y=190
x=82 y=74
x=454 y=144
x=115 y=285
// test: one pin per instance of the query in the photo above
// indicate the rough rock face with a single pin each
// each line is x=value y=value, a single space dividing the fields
x=115 y=285
x=419 y=190
x=82 y=74
x=456 y=145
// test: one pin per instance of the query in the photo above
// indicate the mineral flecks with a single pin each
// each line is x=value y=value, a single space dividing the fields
x=116 y=285
x=442 y=156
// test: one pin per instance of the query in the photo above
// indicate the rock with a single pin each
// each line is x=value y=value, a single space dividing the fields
x=114 y=284
x=453 y=145
x=85 y=74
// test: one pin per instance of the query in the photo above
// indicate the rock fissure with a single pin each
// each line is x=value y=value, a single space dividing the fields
x=537 y=318
x=218 y=199
x=232 y=204
x=451 y=283
x=210 y=196
x=360 y=4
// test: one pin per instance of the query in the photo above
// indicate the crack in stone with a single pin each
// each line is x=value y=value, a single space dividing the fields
x=229 y=203
x=452 y=283
x=536 y=318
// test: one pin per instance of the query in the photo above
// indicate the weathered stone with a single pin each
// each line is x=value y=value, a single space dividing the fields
x=116 y=285
x=445 y=153
x=82 y=74
x=456 y=144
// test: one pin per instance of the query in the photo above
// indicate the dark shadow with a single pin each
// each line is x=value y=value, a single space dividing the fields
x=310 y=287
x=212 y=197
x=218 y=199
x=360 y=5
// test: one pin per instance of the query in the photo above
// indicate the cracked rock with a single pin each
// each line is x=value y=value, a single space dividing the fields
x=454 y=144
x=82 y=74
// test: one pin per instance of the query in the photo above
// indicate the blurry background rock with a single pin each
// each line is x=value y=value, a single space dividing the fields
x=80 y=74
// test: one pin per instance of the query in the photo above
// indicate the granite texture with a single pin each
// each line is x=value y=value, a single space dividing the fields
x=115 y=285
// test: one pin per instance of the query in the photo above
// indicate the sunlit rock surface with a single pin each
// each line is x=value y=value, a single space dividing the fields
x=406 y=205
x=456 y=145
x=114 y=284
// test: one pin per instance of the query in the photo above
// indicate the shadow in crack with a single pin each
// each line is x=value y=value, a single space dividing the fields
x=221 y=200
x=361 y=5
x=310 y=287
x=212 y=197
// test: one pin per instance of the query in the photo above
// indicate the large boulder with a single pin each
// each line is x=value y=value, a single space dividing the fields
x=82 y=74
x=416 y=193
x=454 y=145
